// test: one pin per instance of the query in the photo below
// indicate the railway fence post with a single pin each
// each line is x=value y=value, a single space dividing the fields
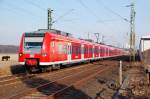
x=120 y=72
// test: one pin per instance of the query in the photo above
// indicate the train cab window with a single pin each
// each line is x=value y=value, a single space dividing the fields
x=33 y=42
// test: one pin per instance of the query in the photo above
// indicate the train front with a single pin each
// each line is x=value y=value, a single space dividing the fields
x=33 y=50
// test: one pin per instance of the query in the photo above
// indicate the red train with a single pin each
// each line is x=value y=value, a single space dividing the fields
x=46 y=49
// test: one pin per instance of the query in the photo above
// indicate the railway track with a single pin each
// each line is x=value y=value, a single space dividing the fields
x=14 y=78
x=18 y=78
x=10 y=76
x=58 y=86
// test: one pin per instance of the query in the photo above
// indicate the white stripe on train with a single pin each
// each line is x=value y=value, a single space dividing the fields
x=72 y=61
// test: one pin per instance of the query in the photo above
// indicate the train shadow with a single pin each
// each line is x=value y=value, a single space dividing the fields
x=122 y=58
x=71 y=93
x=17 y=69
x=126 y=58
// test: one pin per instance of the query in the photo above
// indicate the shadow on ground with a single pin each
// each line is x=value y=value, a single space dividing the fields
x=17 y=69
x=71 y=93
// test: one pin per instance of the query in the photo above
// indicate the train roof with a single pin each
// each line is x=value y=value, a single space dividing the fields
x=68 y=36
x=54 y=31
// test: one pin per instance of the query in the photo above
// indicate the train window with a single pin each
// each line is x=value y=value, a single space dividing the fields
x=96 y=51
x=69 y=49
x=34 y=34
x=60 y=48
x=38 y=44
x=72 y=49
x=82 y=50
x=108 y=52
x=76 y=49
x=52 y=44
x=91 y=49
x=65 y=49
x=102 y=50
x=85 y=50
x=79 y=50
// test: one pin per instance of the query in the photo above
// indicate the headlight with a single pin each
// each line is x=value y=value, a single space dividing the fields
x=20 y=54
x=44 y=54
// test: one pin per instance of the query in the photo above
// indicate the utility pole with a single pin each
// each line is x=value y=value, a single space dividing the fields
x=88 y=36
x=132 y=31
x=50 y=23
x=102 y=39
x=97 y=37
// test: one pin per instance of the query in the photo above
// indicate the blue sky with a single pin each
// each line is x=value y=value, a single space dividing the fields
x=80 y=17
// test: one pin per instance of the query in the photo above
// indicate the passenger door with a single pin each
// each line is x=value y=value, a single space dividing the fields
x=82 y=52
x=69 y=52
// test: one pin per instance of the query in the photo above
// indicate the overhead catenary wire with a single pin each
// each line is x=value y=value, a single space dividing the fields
x=96 y=16
x=38 y=6
x=20 y=9
x=89 y=10
x=70 y=20
x=62 y=16
x=34 y=4
x=93 y=13
x=113 y=12
x=12 y=11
